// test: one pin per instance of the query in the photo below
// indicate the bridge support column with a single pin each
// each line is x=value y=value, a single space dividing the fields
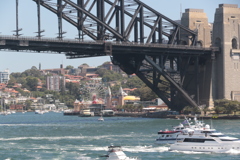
x=226 y=35
x=197 y=20
x=80 y=19
x=60 y=32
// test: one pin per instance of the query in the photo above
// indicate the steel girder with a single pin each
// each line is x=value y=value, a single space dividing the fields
x=117 y=20
x=166 y=75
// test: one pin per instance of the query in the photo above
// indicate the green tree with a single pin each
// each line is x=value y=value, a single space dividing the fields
x=23 y=93
x=22 y=80
x=34 y=72
x=187 y=110
x=11 y=82
x=74 y=89
x=132 y=82
x=69 y=67
x=146 y=94
x=232 y=106
x=111 y=76
x=101 y=71
x=119 y=108
x=139 y=108
x=15 y=75
x=206 y=109
x=218 y=109
x=32 y=83
x=221 y=102
x=28 y=104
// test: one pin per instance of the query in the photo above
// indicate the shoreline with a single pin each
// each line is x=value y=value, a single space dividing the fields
x=154 y=115
x=147 y=115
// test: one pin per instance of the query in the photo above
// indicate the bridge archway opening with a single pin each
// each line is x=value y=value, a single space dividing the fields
x=234 y=43
x=217 y=43
x=199 y=44
x=183 y=43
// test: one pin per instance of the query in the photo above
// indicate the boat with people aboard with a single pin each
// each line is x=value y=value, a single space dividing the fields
x=116 y=153
x=208 y=141
x=169 y=137
x=185 y=128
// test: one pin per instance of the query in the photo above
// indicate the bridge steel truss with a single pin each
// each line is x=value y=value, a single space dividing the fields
x=138 y=38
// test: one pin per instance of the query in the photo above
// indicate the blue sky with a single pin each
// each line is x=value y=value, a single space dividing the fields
x=21 y=61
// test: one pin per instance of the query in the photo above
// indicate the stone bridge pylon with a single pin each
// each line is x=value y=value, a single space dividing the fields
x=226 y=70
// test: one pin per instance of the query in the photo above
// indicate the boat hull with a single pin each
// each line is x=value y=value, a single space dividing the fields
x=205 y=147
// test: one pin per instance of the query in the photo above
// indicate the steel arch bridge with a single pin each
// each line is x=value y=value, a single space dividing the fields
x=138 y=38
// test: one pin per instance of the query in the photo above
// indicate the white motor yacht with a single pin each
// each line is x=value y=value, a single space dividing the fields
x=170 y=137
x=208 y=141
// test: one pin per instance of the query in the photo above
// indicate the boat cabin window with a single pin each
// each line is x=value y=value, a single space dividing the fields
x=180 y=128
x=217 y=135
x=196 y=140
x=209 y=132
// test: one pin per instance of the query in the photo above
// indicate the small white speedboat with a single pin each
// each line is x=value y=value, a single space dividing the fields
x=116 y=153
x=100 y=119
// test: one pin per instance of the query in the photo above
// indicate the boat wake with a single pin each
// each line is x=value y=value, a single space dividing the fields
x=231 y=151
x=146 y=149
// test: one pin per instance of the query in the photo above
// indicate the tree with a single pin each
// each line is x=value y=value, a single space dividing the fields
x=85 y=64
x=218 y=109
x=23 y=93
x=111 y=76
x=187 y=110
x=11 y=82
x=34 y=72
x=220 y=102
x=101 y=71
x=32 y=83
x=220 y=105
x=232 y=106
x=34 y=68
x=28 y=104
x=146 y=94
x=119 y=107
x=139 y=107
x=206 y=109
x=15 y=75
x=22 y=80
x=132 y=82
x=69 y=67
x=74 y=89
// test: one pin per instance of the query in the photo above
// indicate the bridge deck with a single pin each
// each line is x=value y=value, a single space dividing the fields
x=95 y=48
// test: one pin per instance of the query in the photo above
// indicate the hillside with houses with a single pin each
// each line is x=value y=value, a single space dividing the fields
x=61 y=88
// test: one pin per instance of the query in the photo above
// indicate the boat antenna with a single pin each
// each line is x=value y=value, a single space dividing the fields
x=180 y=11
x=211 y=123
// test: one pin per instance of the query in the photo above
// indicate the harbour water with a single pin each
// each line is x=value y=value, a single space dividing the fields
x=54 y=136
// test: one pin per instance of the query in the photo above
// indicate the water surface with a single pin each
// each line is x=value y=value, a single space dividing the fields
x=57 y=137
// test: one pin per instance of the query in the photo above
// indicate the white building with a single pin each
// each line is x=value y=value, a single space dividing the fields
x=4 y=76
